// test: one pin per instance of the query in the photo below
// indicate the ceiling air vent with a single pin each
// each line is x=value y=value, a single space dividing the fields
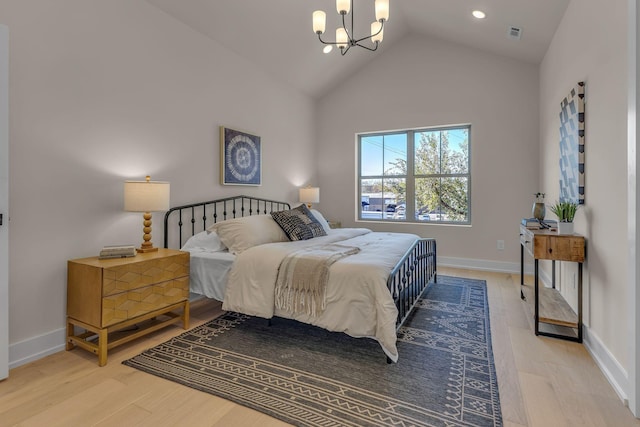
x=514 y=33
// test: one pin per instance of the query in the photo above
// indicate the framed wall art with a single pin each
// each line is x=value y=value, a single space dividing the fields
x=572 y=146
x=241 y=158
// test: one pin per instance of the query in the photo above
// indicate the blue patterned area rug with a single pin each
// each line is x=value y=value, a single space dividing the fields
x=307 y=376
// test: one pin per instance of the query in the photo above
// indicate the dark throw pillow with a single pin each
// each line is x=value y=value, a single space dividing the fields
x=299 y=223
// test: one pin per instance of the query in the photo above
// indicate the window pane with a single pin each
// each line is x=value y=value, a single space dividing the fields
x=455 y=151
x=427 y=148
x=371 y=199
x=371 y=155
x=395 y=154
x=454 y=198
x=395 y=190
x=427 y=198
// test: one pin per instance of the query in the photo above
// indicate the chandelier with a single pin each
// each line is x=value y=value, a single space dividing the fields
x=345 y=37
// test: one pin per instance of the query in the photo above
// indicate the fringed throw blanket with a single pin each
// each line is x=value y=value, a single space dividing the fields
x=303 y=275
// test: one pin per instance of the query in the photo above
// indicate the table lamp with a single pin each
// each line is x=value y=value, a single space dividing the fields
x=146 y=196
x=309 y=195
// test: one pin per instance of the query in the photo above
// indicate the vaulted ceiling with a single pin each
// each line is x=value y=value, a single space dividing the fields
x=277 y=35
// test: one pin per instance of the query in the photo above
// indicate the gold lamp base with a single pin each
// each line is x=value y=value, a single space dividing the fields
x=147 y=245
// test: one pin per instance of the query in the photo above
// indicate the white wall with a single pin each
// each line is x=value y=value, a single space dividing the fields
x=103 y=91
x=422 y=82
x=590 y=45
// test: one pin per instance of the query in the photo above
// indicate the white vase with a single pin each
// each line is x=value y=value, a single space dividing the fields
x=565 y=227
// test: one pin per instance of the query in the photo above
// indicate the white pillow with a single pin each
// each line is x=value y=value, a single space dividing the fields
x=205 y=240
x=321 y=220
x=240 y=234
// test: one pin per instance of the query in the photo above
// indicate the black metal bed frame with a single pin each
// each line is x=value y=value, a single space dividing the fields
x=411 y=276
x=406 y=283
x=216 y=210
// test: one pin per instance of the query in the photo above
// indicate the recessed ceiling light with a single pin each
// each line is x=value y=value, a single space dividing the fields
x=478 y=14
x=328 y=48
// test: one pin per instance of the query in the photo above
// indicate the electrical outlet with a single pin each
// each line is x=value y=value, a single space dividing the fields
x=501 y=245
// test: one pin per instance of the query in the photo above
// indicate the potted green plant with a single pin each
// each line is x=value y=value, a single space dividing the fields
x=566 y=212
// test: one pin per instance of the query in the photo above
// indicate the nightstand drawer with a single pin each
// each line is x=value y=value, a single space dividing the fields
x=128 y=305
x=122 y=278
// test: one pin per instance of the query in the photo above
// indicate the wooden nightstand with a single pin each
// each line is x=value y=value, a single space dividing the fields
x=141 y=293
x=335 y=224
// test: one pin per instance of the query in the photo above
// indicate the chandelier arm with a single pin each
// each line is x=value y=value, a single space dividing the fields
x=369 y=36
x=368 y=48
x=324 y=42
x=344 y=25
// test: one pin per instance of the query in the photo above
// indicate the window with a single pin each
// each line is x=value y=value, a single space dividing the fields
x=415 y=175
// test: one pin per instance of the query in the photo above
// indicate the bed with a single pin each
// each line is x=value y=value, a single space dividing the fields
x=240 y=253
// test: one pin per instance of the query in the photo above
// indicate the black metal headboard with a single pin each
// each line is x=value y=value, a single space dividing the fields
x=200 y=215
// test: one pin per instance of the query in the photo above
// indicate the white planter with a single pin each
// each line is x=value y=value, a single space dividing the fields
x=565 y=228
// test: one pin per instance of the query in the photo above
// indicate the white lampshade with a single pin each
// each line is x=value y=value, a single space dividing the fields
x=382 y=10
x=343 y=6
x=146 y=196
x=319 y=21
x=375 y=27
x=341 y=37
x=309 y=195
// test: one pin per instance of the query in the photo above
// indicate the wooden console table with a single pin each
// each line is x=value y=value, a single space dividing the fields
x=549 y=245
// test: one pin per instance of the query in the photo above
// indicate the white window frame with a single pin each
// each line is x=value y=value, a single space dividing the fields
x=411 y=176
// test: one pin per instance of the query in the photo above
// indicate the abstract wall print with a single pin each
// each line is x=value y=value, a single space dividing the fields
x=241 y=158
x=572 y=146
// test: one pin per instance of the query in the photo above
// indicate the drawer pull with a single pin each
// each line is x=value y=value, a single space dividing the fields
x=550 y=250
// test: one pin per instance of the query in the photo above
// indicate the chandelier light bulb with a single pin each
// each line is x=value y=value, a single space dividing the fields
x=343 y=6
x=319 y=21
x=377 y=32
x=341 y=37
x=382 y=10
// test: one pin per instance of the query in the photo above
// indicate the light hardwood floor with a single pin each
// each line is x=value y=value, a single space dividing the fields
x=543 y=381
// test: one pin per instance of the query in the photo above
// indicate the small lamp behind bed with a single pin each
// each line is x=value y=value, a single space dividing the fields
x=309 y=195
x=146 y=196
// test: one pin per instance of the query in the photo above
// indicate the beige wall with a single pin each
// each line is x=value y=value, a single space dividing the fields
x=591 y=45
x=103 y=91
x=422 y=82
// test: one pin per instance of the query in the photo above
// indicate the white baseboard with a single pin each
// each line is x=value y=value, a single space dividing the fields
x=612 y=370
x=497 y=266
x=480 y=264
x=36 y=348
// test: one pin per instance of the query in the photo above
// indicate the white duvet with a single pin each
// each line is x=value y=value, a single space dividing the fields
x=358 y=302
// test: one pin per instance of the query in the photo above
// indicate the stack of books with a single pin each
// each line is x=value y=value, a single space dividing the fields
x=121 y=251
x=534 y=224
